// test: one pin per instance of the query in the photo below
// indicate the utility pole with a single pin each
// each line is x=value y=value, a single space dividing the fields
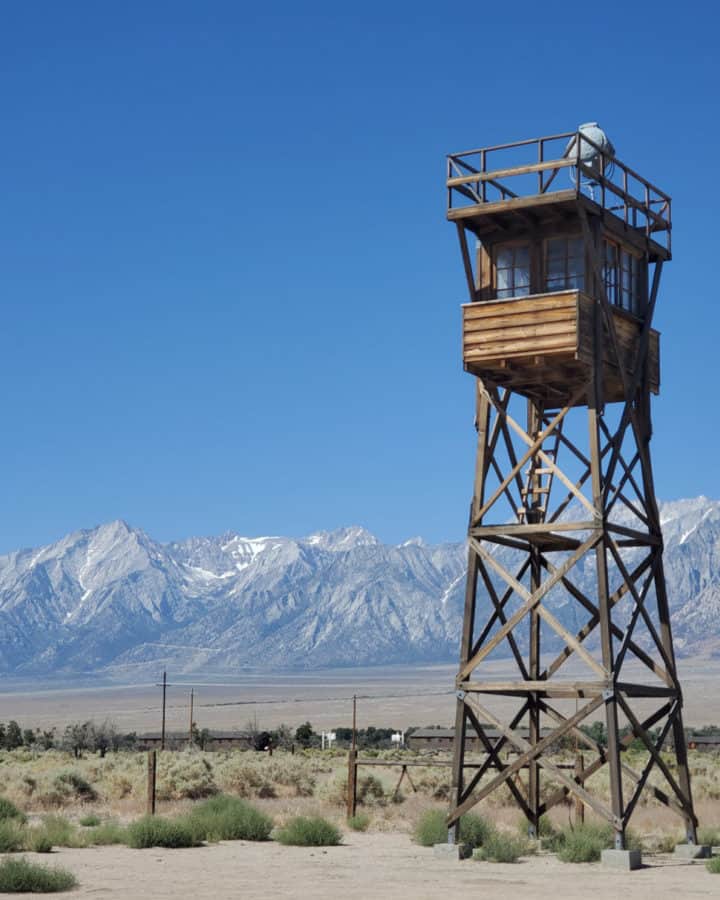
x=352 y=766
x=164 y=695
x=190 y=728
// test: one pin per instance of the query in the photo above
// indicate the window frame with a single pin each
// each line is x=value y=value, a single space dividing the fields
x=514 y=245
x=582 y=278
x=630 y=300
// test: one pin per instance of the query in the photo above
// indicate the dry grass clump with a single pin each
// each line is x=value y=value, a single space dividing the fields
x=75 y=786
x=105 y=834
x=371 y=791
x=266 y=777
x=294 y=773
x=434 y=783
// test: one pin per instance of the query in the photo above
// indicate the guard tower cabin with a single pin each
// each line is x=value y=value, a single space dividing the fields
x=544 y=226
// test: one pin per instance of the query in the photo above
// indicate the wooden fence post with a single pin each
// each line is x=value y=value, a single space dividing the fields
x=352 y=783
x=151 y=781
x=579 y=805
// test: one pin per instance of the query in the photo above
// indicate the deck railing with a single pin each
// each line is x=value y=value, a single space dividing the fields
x=536 y=167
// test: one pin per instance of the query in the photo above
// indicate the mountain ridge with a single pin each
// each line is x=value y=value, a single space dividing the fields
x=111 y=599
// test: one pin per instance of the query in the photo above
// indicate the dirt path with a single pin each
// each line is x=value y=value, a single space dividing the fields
x=366 y=866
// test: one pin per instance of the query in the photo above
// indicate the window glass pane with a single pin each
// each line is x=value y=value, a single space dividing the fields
x=512 y=270
x=555 y=268
x=522 y=256
x=564 y=264
x=522 y=281
x=556 y=248
x=575 y=247
x=504 y=280
x=504 y=257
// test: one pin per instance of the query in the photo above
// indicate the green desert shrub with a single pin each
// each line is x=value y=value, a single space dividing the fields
x=18 y=876
x=224 y=818
x=546 y=829
x=60 y=832
x=90 y=820
x=8 y=810
x=75 y=785
x=713 y=865
x=37 y=840
x=709 y=835
x=501 y=847
x=12 y=836
x=552 y=838
x=105 y=834
x=474 y=830
x=585 y=843
x=152 y=831
x=359 y=822
x=309 y=831
x=431 y=828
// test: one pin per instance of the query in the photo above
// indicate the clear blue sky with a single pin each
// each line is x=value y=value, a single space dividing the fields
x=229 y=296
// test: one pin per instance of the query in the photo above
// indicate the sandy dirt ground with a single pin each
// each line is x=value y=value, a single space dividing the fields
x=366 y=866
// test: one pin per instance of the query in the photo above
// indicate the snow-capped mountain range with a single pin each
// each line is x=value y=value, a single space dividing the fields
x=113 y=600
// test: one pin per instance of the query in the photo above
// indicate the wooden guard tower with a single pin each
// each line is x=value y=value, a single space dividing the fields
x=563 y=247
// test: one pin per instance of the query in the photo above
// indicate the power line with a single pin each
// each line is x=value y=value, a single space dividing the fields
x=269 y=702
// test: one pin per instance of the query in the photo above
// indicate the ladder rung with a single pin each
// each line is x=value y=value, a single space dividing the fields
x=537 y=490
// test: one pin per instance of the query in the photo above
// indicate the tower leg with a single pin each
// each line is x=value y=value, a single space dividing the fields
x=534 y=516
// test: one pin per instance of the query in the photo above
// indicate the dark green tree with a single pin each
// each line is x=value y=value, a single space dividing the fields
x=13 y=735
x=304 y=734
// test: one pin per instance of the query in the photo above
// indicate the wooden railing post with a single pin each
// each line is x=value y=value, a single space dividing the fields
x=151 y=781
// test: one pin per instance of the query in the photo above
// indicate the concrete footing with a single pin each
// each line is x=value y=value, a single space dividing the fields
x=623 y=860
x=452 y=851
x=692 y=851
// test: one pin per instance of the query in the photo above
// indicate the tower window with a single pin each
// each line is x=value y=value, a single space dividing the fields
x=621 y=273
x=564 y=264
x=512 y=270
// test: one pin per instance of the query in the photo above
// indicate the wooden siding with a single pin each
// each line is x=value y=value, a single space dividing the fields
x=545 y=341
x=526 y=327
